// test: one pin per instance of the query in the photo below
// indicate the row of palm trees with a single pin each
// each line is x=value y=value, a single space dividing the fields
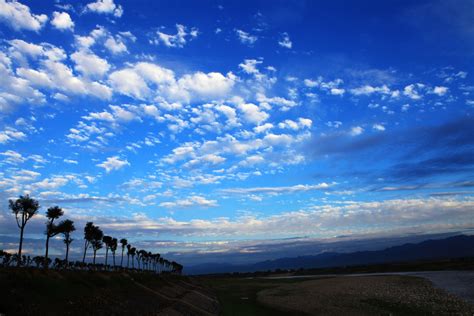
x=26 y=207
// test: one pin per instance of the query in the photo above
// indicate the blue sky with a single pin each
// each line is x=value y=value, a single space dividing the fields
x=209 y=128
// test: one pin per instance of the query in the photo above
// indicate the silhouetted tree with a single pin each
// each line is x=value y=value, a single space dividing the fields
x=133 y=252
x=88 y=237
x=107 y=240
x=24 y=209
x=129 y=247
x=96 y=242
x=52 y=213
x=124 y=243
x=113 y=248
x=66 y=227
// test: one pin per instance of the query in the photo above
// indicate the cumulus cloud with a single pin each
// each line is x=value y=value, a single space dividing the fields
x=90 y=64
x=148 y=81
x=440 y=90
x=246 y=38
x=113 y=163
x=105 y=7
x=252 y=113
x=356 y=131
x=179 y=39
x=18 y=16
x=192 y=201
x=62 y=21
x=285 y=41
x=378 y=127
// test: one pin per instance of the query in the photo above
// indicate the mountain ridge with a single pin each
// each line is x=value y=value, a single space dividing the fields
x=452 y=247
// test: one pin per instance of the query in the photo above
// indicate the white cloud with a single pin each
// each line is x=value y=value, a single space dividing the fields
x=192 y=201
x=263 y=128
x=105 y=7
x=11 y=134
x=70 y=161
x=368 y=90
x=250 y=66
x=285 y=41
x=281 y=190
x=209 y=85
x=19 y=17
x=115 y=46
x=252 y=113
x=13 y=157
x=337 y=91
x=440 y=90
x=90 y=64
x=356 y=130
x=130 y=83
x=378 y=127
x=177 y=40
x=296 y=125
x=246 y=38
x=62 y=21
x=311 y=83
x=411 y=92
x=113 y=163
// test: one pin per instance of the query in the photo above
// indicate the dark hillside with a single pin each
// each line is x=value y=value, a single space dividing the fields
x=40 y=292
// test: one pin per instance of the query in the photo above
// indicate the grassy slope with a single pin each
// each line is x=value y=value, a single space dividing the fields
x=39 y=292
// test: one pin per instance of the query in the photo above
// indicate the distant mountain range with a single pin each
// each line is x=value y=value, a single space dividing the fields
x=452 y=247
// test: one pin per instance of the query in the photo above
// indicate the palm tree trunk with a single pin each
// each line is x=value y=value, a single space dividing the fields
x=95 y=251
x=85 y=249
x=18 y=263
x=121 y=260
x=46 y=253
x=67 y=252
x=113 y=257
x=106 y=255
x=128 y=260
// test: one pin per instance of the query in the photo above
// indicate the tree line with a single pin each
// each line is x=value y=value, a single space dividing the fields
x=26 y=207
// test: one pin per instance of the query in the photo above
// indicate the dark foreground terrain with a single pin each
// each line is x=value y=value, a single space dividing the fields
x=30 y=291
x=39 y=292
x=336 y=295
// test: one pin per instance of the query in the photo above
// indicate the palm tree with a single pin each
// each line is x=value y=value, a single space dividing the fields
x=52 y=213
x=107 y=240
x=113 y=248
x=88 y=237
x=24 y=209
x=96 y=242
x=129 y=247
x=133 y=252
x=124 y=243
x=66 y=227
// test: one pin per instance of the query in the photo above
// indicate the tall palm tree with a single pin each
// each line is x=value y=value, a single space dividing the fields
x=88 y=237
x=107 y=240
x=129 y=247
x=24 y=209
x=124 y=243
x=66 y=227
x=113 y=248
x=96 y=242
x=52 y=213
x=133 y=252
